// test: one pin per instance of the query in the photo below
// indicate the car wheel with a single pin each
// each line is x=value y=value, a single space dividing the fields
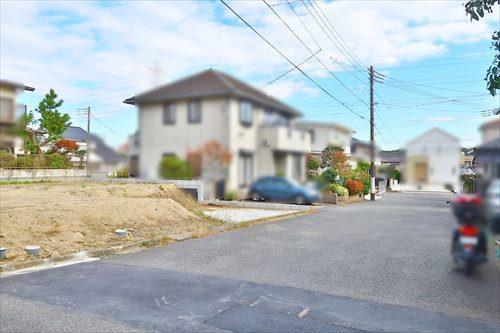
x=300 y=200
x=255 y=196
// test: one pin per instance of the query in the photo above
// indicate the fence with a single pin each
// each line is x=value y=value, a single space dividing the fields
x=15 y=174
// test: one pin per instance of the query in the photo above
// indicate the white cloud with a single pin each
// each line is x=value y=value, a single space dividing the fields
x=98 y=53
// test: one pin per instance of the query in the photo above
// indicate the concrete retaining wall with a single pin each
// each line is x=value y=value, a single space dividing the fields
x=194 y=187
x=40 y=174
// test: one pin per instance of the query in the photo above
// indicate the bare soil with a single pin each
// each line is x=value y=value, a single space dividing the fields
x=67 y=217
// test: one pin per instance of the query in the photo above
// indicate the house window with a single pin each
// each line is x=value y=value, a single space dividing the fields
x=296 y=166
x=246 y=113
x=169 y=114
x=194 y=112
x=312 y=134
x=168 y=155
x=245 y=164
x=6 y=109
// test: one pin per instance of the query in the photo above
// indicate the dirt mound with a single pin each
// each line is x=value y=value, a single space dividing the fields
x=68 y=217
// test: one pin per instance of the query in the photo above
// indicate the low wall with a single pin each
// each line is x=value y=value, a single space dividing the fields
x=40 y=174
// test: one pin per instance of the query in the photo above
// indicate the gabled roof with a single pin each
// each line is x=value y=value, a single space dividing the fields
x=100 y=148
x=75 y=133
x=311 y=124
x=15 y=85
x=434 y=129
x=487 y=153
x=210 y=83
x=490 y=124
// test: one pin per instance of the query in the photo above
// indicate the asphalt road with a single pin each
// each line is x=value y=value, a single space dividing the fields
x=374 y=266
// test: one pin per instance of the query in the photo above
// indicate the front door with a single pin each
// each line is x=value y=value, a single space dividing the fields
x=421 y=174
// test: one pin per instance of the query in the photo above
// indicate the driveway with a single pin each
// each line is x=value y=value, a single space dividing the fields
x=380 y=265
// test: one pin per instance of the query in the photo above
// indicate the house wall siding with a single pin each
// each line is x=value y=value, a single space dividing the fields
x=157 y=138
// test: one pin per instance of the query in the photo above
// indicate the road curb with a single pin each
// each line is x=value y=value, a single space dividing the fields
x=94 y=253
x=260 y=205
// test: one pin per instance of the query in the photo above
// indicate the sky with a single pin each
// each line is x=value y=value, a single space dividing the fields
x=431 y=58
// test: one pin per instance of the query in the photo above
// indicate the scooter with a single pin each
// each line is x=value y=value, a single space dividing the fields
x=469 y=243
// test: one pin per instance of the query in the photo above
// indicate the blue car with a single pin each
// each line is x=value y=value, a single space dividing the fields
x=282 y=189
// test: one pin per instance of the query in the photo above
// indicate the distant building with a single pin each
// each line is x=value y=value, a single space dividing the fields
x=10 y=113
x=433 y=160
x=487 y=154
x=490 y=130
x=360 y=152
x=392 y=157
x=324 y=134
x=102 y=158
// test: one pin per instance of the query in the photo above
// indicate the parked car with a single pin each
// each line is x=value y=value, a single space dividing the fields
x=493 y=205
x=282 y=189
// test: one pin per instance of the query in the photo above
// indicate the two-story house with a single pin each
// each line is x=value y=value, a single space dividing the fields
x=323 y=134
x=214 y=106
x=9 y=115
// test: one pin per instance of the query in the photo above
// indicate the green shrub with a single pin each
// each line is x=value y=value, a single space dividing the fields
x=57 y=161
x=396 y=175
x=7 y=160
x=24 y=162
x=172 y=167
x=329 y=175
x=313 y=164
x=364 y=166
x=39 y=161
x=231 y=196
x=468 y=183
x=339 y=189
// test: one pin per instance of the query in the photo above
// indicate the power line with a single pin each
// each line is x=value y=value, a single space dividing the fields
x=290 y=61
x=316 y=57
x=103 y=124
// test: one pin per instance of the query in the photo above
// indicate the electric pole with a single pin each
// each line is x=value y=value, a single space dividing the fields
x=87 y=139
x=372 y=138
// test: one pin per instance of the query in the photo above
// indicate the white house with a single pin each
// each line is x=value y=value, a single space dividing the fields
x=213 y=106
x=323 y=134
x=433 y=160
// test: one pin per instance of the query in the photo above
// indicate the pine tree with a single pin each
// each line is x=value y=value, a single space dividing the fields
x=52 y=122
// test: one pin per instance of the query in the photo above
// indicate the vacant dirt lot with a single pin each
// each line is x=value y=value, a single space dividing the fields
x=67 y=217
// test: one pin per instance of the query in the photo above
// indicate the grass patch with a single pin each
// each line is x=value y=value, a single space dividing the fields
x=24 y=182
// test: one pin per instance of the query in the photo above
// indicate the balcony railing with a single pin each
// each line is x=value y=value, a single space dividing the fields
x=285 y=138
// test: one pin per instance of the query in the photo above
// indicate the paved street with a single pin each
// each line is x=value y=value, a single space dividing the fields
x=372 y=266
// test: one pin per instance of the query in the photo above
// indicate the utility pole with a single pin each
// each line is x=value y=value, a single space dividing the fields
x=87 y=140
x=372 y=138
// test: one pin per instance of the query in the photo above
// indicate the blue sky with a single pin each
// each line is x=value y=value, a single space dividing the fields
x=97 y=54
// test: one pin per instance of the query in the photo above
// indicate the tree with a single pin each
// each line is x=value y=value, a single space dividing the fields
x=209 y=161
x=52 y=122
x=82 y=153
x=65 y=146
x=476 y=10
x=327 y=154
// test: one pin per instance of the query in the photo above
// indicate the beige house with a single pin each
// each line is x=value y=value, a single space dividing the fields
x=213 y=106
x=323 y=134
x=9 y=115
